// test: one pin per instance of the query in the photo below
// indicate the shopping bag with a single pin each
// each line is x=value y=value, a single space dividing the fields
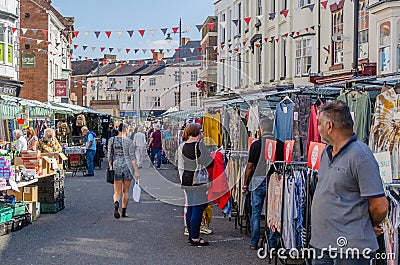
x=200 y=174
x=110 y=176
x=136 y=191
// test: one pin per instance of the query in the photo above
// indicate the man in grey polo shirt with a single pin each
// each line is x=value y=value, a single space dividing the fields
x=349 y=203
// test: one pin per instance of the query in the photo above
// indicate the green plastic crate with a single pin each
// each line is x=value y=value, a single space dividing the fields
x=51 y=207
x=18 y=208
x=6 y=214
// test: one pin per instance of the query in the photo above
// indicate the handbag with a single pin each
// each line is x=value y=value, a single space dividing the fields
x=110 y=176
x=136 y=191
x=200 y=174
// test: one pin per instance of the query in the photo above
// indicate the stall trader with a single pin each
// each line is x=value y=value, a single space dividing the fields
x=21 y=144
x=49 y=143
x=90 y=144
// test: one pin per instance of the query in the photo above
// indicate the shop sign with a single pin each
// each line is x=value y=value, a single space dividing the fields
x=288 y=147
x=314 y=155
x=385 y=166
x=251 y=141
x=128 y=114
x=270 y=153
x=8 y=90
x=28 y=60
x=61 y=88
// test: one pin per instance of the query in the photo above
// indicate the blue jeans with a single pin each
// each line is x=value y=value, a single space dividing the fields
x=258 y=192
x=197 y=203
x=326 y=259
x=90 y=160
x=155 y=151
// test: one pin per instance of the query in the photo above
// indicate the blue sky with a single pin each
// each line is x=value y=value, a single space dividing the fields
x=124 y=15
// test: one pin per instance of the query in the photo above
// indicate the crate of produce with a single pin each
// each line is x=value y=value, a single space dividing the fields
x=6 y=214
x=18 y=208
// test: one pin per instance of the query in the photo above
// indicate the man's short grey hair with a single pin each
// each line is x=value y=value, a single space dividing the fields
x=18 y=133
x=267 y=125
x=338 y=112
x=84 y=128
x=49 y=131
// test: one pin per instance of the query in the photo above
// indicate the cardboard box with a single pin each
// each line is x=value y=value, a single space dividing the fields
x=33 y=209
x=46 y=166
x=30 y=193
x=30 y=154
x=61 y=158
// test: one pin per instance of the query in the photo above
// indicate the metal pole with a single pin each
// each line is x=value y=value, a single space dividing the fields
x=319 y=36
x=355 y=43
x=140 y=77
x=179 y=63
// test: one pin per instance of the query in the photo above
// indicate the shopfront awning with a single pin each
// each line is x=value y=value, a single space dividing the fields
x=77 y=109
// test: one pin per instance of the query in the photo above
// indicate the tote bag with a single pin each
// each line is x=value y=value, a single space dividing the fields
x=200 y=174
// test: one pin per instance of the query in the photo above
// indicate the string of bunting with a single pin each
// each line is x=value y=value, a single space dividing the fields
x=108 y=33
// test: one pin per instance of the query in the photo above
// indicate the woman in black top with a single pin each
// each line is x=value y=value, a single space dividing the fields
x=196 y=195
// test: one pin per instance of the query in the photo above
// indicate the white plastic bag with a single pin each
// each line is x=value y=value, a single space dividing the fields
x=136 y=191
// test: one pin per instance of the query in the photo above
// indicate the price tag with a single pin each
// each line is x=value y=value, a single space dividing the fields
x=285 y=109
x=314 y=155
x=295 y=116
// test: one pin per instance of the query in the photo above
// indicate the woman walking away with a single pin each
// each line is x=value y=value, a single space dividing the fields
x=121 y=158
x=140 y=143
x=194 y=152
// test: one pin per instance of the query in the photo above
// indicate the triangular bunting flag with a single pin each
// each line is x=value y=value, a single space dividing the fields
x=292 y=34
x=306 y=29
x=236 y=22
x=244 y=43
x=141 y=31
x=93 y=48
x=57 y=44
x=272 y=16
x=127 y=50
x=222 y=46
x=285 y=12
x=337 y=2
x=119 y=33
x=144 y=51
x=324 y=4
x=199 y=49
x=130 y=32
x=175 y=30
x=34 y=31
x=97 y=33
x=119 y=49
x=260 y=17
x=29 y=40
x=187 y=28
x=298 y=33
x=102 y=49
x=108 y=33
x=199 y=27
x=192 y=50
x=19 y=38
x=22 y=29
x=312 y=27
x=13 y=30
x=76 y=33
x=247 y=20
x=152 y=32
x=164 y=30
x=39 y=41
x=211 y=26
x=311 y=7
x=161 y=50
x=110 y=49
x=136 y=51
x=44 y=31
x=84 y=47
x=223 y=24
x=48 y=43
x=277 y=39
x=152 y=50
x=298 y=10
x=184 y=59
x=265 y=39
x=76 y=46
x=176 y=50
x=86 y=33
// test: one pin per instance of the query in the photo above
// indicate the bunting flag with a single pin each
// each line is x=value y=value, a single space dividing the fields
x=119 y=49
x=141 y=31
x=192 y=50
x=298 y=10
x=292 y=34
x=272 y=16
x=247 y=20
x=211 y=26
x=223 y=24
x=48 y=43
x=152 y=50
x=29 y=40
x=324 y=4
x=110 y=49
x=93 y=48
x=119 y=33
x=187 y=28
x=312 y=27
x=130 y=32
x=97 y=33
x=76 y=33
x=22 y=29
x=285 y=12
x=337 y=2
x=277 y=39
x=144 y=51
x=200 y=49
x=244 y=43
x=199 y=27
x=34 y=31
x=306 y=29
x=84 y=47
x=57 y=44
x=127 y=50
x=236 y=22
x=175 y=29
x=152 y=32
x=13 y=30
x=176 y=50
x=164 y=30
x=265 y=39
x=136 y=51
x=44 y=31
x=311 y=7
x=108 y=33
x=161 y=50
x=19 y=38
x=102 y=49
x=168 y=50
x=298 y=33
x=260 y=17
x=86 y=33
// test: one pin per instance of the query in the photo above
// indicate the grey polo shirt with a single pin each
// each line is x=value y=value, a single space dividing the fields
x=340 y=203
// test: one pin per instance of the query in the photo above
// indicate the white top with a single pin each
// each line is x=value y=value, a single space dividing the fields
x=21 y=144
x=140 y=139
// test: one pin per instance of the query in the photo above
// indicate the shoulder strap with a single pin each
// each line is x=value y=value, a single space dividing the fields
x=195 y=153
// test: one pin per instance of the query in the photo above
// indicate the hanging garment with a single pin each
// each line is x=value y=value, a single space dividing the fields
x=385 y=129
x=360 y=107
x=313 y=133
x=274 y=207
x=234 y=126
x=218 y=192
x=284 y=121
x=80 y=120
x=212 y=129
x=289 y=215
x=253 y=120
x=301 y=115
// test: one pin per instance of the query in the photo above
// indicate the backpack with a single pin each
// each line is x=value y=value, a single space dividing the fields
x=80 y=120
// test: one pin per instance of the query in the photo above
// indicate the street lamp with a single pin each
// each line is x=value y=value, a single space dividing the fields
x=169 y=38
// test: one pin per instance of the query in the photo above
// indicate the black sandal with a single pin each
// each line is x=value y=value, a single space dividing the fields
x=201 y=242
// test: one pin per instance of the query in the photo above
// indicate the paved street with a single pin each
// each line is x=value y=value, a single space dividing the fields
x=85 y=232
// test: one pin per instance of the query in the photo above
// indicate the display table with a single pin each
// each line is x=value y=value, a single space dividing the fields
x=21 y=184
x=76 y=159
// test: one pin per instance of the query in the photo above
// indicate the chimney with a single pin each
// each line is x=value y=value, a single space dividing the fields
x=158 y=56
x=185 y=41
x=110 y=57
